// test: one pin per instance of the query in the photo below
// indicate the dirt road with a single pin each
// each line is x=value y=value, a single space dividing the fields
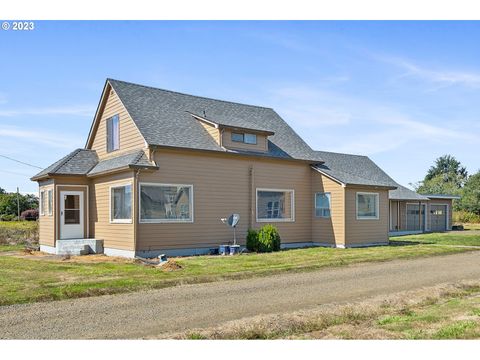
x=151 y=313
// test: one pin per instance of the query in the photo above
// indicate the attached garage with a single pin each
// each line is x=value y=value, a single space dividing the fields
x=438 y=217
x=416 y=217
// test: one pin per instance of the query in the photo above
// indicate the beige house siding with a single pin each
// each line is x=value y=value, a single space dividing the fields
x=329 y=230
x=130 y=137
x=223 y=185
x=360 y=232
x=394 y=220
x=114 y=235
x=262 y=143
x=46 y=222
x=212 y=131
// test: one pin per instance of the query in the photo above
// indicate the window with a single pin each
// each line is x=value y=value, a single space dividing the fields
x=113 y=133
x=367 y=206
x=322 y=205
x=162 y=203
x=42 y=202
x=50 y=202
x=250 y=139
x=275 y=205
x=121 y=204
x=244 y=138
x=237 y=137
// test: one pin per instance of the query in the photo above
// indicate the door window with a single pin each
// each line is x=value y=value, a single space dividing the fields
x=72 y=209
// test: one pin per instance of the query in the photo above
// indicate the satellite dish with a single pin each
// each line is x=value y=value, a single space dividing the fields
x=233 y=220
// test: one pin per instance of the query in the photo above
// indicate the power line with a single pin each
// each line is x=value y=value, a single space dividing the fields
x=21 y=162
x=14 y=173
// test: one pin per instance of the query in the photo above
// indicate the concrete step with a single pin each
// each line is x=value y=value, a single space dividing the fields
x=79 y=247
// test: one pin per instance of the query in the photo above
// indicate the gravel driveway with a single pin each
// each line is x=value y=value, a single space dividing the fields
x=151 y=313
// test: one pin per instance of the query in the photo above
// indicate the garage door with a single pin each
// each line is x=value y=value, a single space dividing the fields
x=415 y=221
x=438 y=215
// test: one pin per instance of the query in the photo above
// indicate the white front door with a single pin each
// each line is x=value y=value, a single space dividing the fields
x=71 y=215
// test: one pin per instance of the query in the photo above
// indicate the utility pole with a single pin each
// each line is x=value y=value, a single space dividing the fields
x=18 y=205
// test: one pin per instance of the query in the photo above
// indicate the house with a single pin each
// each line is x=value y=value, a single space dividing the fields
x=161 y=168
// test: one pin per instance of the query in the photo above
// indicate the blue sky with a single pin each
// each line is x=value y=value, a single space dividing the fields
x=403 y=93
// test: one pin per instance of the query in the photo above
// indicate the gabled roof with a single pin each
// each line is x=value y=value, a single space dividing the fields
x=136 y=159
x=83 y=162
x=403 y=193
x=349 y=169
x=164 y=118
x=78 y=162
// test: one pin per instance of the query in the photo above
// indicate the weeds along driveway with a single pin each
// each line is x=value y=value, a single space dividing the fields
x=151 y=313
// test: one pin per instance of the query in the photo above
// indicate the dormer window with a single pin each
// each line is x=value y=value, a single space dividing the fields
x=245 y=138
x=113 y=133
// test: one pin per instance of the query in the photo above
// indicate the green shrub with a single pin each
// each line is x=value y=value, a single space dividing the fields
x=252 y=240
x=465 y=217
x=7 y=217
x=268 y=239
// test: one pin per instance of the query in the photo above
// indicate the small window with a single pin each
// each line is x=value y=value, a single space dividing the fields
x=42 y=203
x=275 y=205
x=250 y=139
x=237 y=137
x=163 y=203
x=113 y=133
x=121 y=204
x=50 y=202
x=322 y=205
x=367 y=206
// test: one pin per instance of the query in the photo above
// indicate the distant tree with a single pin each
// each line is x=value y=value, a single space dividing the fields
x=8 y=203
x=2 y=191
x=449 y=169
x=470 y=200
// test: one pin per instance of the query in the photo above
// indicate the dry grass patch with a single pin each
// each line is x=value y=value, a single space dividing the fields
x=441 y=312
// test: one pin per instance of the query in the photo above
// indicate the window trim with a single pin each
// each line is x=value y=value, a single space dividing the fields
x=110 y=119
x=329 y=204
x=291 y=219
x=42 y=202
x=164 y=221
x=120 y=221
x=50 y=203
x=377 y=204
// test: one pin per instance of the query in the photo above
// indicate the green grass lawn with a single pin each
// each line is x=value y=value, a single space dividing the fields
x=38 y=279
x=470 y=237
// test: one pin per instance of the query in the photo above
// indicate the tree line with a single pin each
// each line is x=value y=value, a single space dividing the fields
x=449 y=176
x=9 y=205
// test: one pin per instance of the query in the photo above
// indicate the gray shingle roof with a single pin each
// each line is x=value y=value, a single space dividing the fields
x=85 y=162
x=353 y=170
x=403 y=193
x=136 y=159
x=164 y=119
x=78 y=162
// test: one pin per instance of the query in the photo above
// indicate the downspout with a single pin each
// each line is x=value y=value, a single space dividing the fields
x=135 y=211
x=252 y=193
x=399 y=226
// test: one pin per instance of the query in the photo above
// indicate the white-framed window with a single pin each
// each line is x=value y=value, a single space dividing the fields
x=166 y=203
x=322 y=204
x=275 y=205
x=367 y=206
x=121 y=203
x=113 y=133
x=244 y=138
x=50 y=202
x=42 y=202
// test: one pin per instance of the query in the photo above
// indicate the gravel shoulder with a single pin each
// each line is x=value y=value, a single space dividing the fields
x=151 y=313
